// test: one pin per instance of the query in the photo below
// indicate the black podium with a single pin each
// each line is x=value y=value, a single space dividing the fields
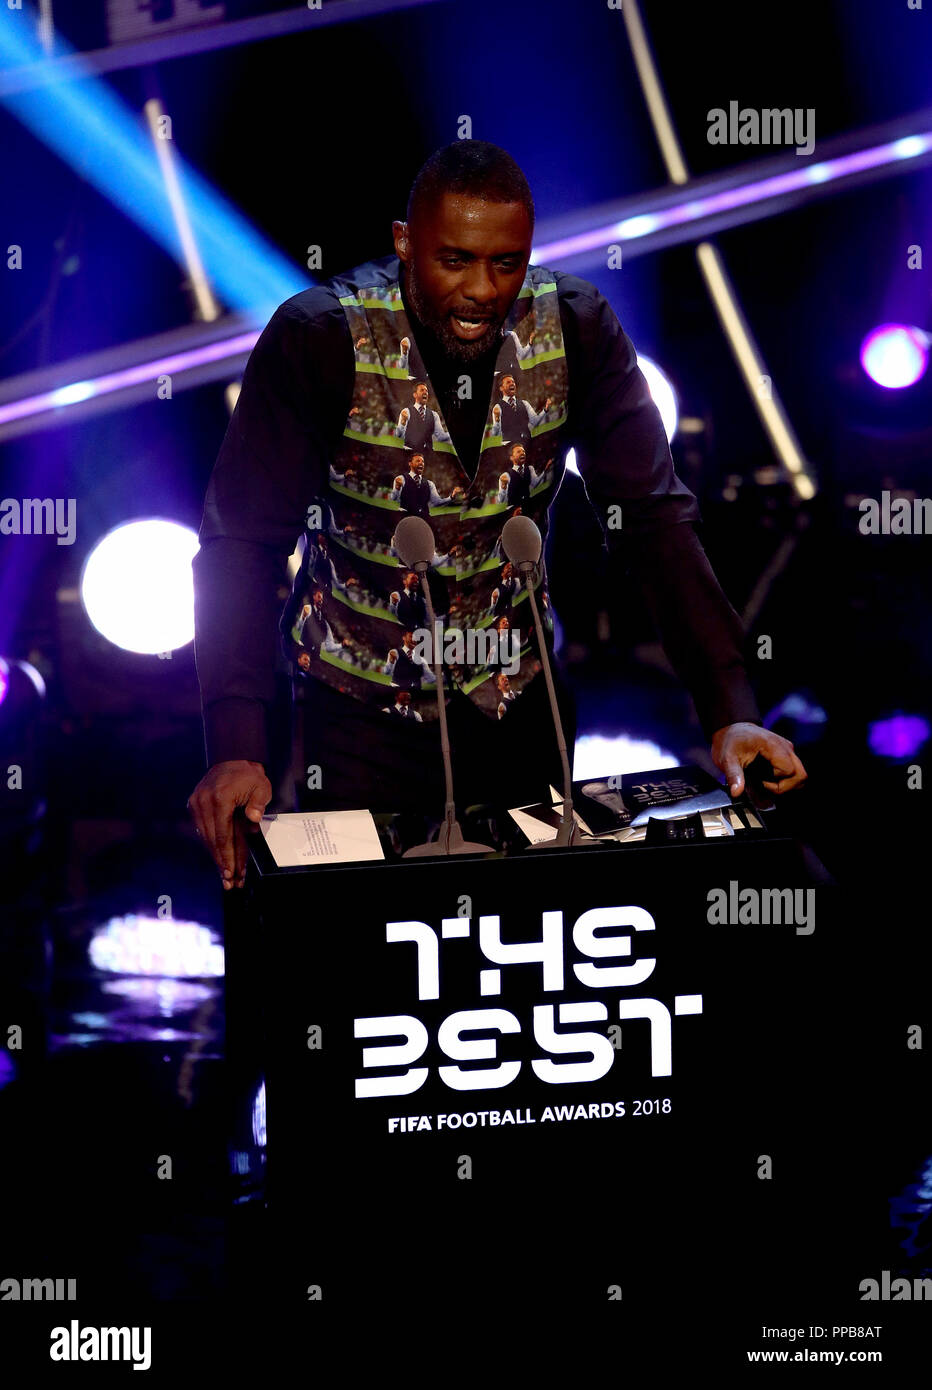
x=552 y=1080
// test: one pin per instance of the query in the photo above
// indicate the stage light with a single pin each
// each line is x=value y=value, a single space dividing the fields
x=16 y=691
x=641 y=225
x=136 y=945
x=167 y=995
x=895 y=355
x=258 y=1118
x=598 y=756
x=133 y=1021
x=756 y=191
x=101 y=137
x=130 y=378
x=910 y=146
x=662 y=394
x=72 y=393
x=24 y=785
x=799 y=710
x=137 y=587
x=33 y=676
x=899 y=736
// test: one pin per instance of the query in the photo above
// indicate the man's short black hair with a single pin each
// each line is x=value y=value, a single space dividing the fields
x=470 y=166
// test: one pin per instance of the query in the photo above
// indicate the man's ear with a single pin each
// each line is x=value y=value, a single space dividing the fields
x=402 y=240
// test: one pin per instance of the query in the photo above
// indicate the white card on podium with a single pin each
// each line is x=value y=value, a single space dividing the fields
x=540 y=822
x=321 y=837
x=536 y=830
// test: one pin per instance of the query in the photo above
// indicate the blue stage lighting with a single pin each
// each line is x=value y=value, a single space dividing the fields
x=108 y=145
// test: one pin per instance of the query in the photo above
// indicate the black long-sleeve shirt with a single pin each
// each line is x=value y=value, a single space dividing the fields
x=296 y=392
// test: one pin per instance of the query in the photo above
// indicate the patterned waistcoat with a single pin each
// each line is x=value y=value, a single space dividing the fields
x=396 y=459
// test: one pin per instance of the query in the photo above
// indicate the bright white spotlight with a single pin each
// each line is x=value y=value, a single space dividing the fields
x=596 y=755
x=661 y=394
x=642 y=225
x=74 y=392
x=910 y=146
x=137 y=587
x=664 y=399
x=137 y=945
x=895 y=355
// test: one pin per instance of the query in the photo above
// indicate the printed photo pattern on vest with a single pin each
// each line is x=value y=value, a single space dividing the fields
x=357 y=619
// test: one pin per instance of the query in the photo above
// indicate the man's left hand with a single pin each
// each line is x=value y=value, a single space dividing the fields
x=736 y=745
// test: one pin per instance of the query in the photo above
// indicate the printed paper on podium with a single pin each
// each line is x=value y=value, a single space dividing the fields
x=302 y=838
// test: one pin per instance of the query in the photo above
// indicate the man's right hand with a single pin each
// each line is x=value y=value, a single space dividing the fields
x=222 y=789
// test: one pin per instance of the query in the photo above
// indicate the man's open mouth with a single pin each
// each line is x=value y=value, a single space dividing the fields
x=470 y=325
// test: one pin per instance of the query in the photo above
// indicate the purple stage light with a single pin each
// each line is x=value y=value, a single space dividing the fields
x=895 y=355
x=900 y=736
x=21 y=686
x=694 y=209
x=129 y=376
x=641 y=225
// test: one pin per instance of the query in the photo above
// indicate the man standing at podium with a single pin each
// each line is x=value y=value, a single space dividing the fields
x=461 y=294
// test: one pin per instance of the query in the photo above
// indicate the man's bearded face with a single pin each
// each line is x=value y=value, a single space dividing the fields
x=463 y=268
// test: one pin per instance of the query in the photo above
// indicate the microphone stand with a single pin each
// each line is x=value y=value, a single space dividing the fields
x=568 y=833
x=450 y=839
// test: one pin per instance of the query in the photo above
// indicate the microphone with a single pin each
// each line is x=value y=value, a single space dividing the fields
x=522 y=544
x=414 y=542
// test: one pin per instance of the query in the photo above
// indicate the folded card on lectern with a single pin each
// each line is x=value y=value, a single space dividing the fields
x=541 y=823
x=302 y=838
